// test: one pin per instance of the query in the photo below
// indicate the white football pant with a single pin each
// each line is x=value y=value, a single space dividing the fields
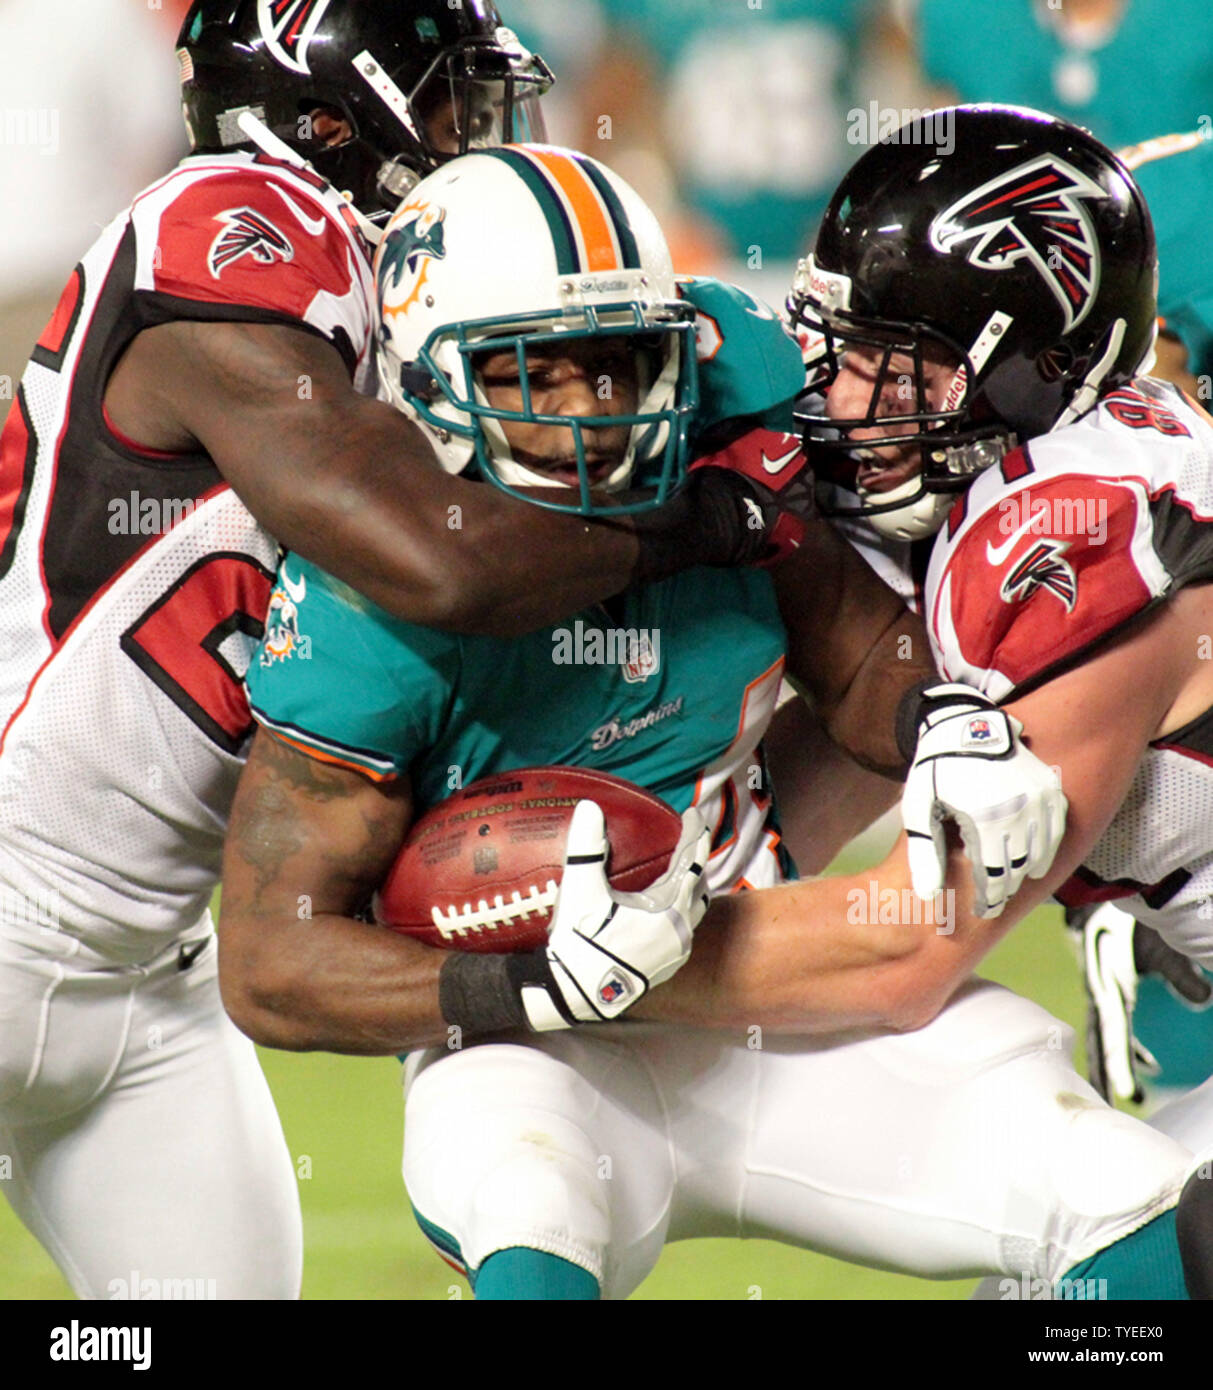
x=968 y=1147
x=143 y=1145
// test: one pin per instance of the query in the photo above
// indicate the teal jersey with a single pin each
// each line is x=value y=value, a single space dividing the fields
x=1176 y=175
x=1154 y=72
x=750 y=364
x=755 y=102
x=671 y=689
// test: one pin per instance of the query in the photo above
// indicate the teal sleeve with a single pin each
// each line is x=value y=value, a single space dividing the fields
x=345 y=681
x=749 y=364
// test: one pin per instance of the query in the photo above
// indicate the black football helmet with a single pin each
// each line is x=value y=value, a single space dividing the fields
x=394 y=69
x=1004 y=241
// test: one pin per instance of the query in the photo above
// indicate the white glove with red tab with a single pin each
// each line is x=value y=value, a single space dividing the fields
x=968 y=766
x=605 y=949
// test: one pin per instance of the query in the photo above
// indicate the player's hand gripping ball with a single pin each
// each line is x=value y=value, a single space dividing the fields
x=481 y=870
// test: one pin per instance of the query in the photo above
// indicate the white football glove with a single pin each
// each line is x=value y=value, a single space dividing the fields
x=969 y=767
x=1116 y=952
x=606 y=949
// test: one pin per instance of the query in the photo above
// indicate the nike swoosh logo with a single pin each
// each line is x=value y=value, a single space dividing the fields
x=295 y=592
x=996 y=554
x=779 y=464
x=763 y=312
x=187 y=955
x=315 y=225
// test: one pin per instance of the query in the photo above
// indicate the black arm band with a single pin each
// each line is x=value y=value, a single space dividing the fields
x=476 y=994
x=916 y=704
x=483 y=993
x=911 y=711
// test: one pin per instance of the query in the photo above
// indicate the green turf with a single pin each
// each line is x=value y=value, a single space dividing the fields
x=342 y=1120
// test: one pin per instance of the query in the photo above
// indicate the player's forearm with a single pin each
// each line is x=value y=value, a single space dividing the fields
x=770 y=960
x=828 y=955
x=853 y=646
x=372 y=507
x=863 y=721
x=351 y=484
x=329 y=983
x=825 y=797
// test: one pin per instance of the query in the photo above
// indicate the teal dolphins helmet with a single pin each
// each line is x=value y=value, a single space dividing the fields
x=505 y=256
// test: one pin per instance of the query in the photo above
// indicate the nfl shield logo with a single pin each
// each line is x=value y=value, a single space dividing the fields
x=611 y=989
x=979 y=729
x=641 y=661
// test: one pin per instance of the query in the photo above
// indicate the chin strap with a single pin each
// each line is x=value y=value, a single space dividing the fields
x=268 y=143
x=1088 y=393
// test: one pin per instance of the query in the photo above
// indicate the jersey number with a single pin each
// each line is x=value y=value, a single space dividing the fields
x=176 y=642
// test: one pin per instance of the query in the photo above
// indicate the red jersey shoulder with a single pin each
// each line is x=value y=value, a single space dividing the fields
x=251 y=236
x=1042 y=566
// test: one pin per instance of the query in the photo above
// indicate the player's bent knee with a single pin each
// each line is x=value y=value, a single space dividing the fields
x=497 y=1166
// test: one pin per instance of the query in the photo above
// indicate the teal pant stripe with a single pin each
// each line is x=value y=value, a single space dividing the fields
x=520 y=1273
x=440 y=1238
x=1143 y=1265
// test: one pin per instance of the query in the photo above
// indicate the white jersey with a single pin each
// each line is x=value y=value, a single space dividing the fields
x=134 y=584
x=899 y=564
x=1046 y=559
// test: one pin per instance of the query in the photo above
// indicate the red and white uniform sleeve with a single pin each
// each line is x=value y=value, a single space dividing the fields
x=1052 y=552
x=1046 y=559
x=252 y=241
x=137 y=582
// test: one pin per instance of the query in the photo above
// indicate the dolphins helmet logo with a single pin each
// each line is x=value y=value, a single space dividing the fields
x=288 y=27
x=411 y=244
x=1033 y=212
x=246 y=232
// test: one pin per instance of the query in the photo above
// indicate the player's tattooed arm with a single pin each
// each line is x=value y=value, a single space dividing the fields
x=853 y=646
x=307 y=846
x=351 y=484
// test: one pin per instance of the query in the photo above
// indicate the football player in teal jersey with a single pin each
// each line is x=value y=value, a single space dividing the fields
x=365 y=721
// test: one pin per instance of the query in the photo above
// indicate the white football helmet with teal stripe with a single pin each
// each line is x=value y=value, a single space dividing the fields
x=534 y=246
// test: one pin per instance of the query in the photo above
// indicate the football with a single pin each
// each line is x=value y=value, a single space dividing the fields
x=479 y=871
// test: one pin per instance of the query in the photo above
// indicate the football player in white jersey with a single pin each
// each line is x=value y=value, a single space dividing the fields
x=980 y=321
x=203 y=391
x=556 y=1164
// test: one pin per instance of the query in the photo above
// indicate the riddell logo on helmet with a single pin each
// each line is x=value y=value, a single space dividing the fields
x=415 y=237
x=288 y=27
x=1034 y=212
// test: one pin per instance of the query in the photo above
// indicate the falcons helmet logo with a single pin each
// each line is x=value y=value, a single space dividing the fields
x=1032 y=212
x=1042 y=568
x=288 y=27
x=246 y=233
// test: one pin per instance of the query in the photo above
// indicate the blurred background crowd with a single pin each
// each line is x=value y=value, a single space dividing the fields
x=734 y=118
